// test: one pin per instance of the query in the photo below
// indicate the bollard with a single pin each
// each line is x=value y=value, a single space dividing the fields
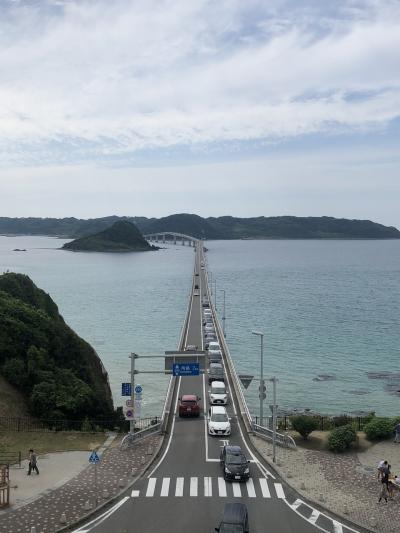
x=105 y=494
x=321 y=498
x=345 y=510
x=63 y=519
x=121 y=483
x=149 y=450
x=143 y=461
x=289 y=475
x=133 y=472
x=87 y=506
x=302 y=486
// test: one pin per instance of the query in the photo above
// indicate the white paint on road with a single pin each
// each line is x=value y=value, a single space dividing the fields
x=165 y=487
x=193 y=486
x=251 y=491
x=222 y=487
x=236 y=489
x=264 y=488
x=279 y=491
x=207 y=487
x=314 y=516
x=179 y=486
x=100 y=519
x=151 y=487
x=135 y=493
x=337 y=527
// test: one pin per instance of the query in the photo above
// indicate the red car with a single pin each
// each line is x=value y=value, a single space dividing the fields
x=189 y=405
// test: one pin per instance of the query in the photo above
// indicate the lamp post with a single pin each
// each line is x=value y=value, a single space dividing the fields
x=274 y=406
x=223 y=314
x=261 y=392
x=215 y=293
x=210 y=282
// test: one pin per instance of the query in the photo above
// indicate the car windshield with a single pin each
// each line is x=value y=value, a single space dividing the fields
x=236 y=459
x=219 y=391
x=219 y=417
x=216 y=370
x=231 y=528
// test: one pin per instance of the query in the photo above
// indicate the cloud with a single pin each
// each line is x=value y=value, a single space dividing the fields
x=86 y=81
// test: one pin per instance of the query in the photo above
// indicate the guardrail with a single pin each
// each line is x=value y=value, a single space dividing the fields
x=155 y=428
x=281 y=439
x=11 y=458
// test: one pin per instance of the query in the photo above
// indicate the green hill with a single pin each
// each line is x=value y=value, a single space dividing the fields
x=57 y=372
x=122 y=236
x=226 y=227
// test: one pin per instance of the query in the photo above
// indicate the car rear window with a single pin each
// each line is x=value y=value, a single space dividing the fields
x=236 y=459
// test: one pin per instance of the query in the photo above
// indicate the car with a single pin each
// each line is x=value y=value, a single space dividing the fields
x=210 y=337
x=191 y=347
x=214 y=348
x=235 y=519
x=217 y=393
x=205 y=302
x=196 y=292
x=189 y=405
x=214 y=358
x=234 y=464
x=208 y=328
x=218 y=421
x=215 y=373
x=196 y=286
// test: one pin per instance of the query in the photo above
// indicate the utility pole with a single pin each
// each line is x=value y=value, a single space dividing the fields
x=133 y=421
x=215 y=293
x=274 y=406
x=261 y=389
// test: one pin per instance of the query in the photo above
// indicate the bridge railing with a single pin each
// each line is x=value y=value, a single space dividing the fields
x=266 y=433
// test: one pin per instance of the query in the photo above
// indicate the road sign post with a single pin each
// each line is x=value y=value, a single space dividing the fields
x=95 y=459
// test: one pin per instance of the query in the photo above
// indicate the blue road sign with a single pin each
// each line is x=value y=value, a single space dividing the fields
x=126 y=389
x=138 y=389
x=94 y=458
x=185 y=369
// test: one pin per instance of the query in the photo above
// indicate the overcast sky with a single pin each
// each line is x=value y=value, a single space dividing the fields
x=216 y=107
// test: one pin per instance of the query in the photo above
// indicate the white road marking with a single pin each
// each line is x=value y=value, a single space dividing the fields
x=236 y=489
x=135 y=493
x=151 y=487
x=264 y=488
x=250 y=488
x=179 y=486
x=193 y=486
x=102 y=517
x=165 y=487
x=296 y=504
x=222 y=487
x=207 y=487
x=172 y=432
x=337 y=527
x=314 y=516
x=279 y=491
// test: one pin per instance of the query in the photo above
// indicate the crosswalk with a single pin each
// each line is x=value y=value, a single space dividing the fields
x=209 y=486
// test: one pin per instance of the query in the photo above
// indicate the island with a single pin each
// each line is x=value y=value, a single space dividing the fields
x=122 y=236
x=54 y=373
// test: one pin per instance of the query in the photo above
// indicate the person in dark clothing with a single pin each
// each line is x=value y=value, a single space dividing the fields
x=385 y=484
x=32 y=463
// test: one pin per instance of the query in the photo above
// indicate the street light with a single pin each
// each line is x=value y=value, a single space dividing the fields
x=274 y=406
x=215 y=293
x=261 y=392
x=223 y=315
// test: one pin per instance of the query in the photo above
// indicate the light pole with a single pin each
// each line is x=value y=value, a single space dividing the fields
x=223 y=315
x=215 y=293
x=261 y=392
x=132 y=422
x=210 y=282
x=274 y=380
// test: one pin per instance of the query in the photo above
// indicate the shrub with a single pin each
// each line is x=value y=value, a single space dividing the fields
x=304 y=425
x=341 y=438
x=379 y=428
x=86 y=426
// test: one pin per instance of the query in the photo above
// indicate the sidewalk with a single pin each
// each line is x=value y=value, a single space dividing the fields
x=344 y=483
x=115 y=470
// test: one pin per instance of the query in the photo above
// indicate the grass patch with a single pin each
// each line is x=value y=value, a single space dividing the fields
x=47 y=442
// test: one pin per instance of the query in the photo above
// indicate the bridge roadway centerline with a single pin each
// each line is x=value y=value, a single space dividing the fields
x=185 y=490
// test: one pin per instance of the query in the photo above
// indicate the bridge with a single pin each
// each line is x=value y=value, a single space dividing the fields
x=168 y=236
x=184 y=489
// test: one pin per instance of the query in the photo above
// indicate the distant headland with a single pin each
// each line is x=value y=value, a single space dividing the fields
x=211 y=228
x=122 y=236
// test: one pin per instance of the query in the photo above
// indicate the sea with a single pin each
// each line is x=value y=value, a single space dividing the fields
x=329 y=311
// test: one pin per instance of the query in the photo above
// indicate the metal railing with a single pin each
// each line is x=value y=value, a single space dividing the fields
x=11 y=458
x=281 y=439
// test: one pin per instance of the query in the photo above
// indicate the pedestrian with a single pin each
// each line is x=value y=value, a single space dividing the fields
x=382 y=466
x=32 y=463
x=397 y=433
x=385 y=484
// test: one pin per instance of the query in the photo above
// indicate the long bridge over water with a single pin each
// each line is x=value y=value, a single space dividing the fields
x=171 y=236
x=184 y=489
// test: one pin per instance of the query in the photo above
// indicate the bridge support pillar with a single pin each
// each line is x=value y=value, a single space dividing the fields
x=163 y=239
x=183 y=241
x=174 y=240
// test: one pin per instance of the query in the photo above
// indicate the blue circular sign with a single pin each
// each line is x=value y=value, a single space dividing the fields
x=138 y=389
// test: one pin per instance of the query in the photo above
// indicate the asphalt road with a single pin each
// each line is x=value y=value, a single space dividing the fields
x=184 y=491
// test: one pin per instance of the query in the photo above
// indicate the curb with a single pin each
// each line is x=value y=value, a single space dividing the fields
x=107 y=503
x=309 y=499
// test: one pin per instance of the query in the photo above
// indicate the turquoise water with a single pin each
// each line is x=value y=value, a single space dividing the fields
x=325 y=307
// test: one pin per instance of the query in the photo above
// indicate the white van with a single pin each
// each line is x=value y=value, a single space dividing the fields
x=217 y=394
x=218 y=421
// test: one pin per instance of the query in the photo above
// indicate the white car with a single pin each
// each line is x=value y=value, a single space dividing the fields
x=217 y=394
x=218 y=421
x=214 y=348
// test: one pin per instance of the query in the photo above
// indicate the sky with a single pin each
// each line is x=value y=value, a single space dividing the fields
x=228 y=107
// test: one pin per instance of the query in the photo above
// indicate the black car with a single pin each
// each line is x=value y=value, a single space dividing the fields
x=235 y=519
x=215 y=373
x=234 y=463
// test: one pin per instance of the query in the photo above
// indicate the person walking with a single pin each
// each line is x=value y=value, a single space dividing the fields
x=32 y=463
x=385 y=485
x=397 y=433
x=382 y=466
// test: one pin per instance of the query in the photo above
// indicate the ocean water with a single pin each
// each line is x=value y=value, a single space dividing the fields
x=325 y=307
